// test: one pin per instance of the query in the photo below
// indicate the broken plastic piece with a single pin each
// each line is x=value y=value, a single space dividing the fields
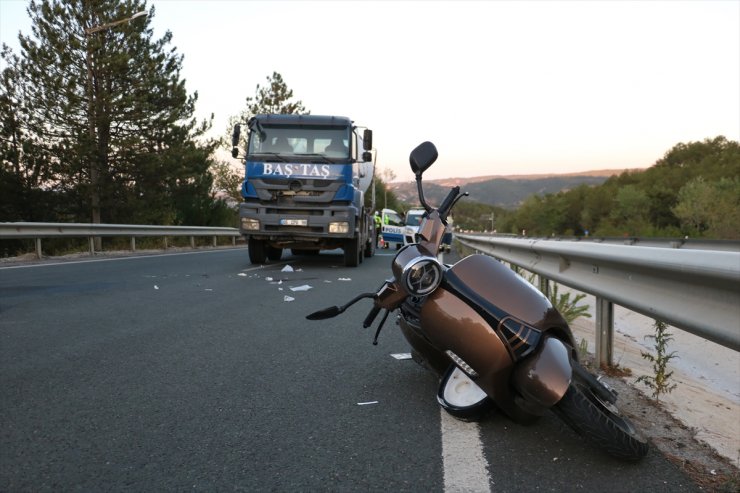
x=401 y=355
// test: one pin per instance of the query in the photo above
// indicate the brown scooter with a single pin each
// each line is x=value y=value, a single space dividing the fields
x=491 y=336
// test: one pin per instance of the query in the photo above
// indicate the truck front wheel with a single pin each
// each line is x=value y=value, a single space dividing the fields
x=257 y=251
x=352 y=253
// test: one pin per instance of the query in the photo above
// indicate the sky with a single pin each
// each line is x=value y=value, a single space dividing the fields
x=500 y=87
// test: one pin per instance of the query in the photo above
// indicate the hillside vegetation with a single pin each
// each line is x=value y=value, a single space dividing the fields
x=693 y=190
x=504 y=192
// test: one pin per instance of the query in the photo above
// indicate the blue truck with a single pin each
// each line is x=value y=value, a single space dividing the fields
x=304 y=187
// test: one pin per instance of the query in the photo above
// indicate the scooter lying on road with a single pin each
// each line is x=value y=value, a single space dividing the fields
x=491 y=336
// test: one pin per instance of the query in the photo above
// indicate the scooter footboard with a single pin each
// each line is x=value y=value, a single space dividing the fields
x=543 y=378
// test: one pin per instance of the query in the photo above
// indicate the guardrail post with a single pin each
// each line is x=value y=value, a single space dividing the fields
x=544 y=285
x=215 y=241
x=192 y=242
x=165 y=243
x=38 y=248
x=233 y=240
x=604 y=331
x=133 y=243
x=91 y=240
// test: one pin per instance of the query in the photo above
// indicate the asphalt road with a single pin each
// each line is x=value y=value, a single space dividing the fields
x=191 y=372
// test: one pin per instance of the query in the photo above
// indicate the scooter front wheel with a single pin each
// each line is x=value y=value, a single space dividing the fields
x=600 y=422
x=461 y=397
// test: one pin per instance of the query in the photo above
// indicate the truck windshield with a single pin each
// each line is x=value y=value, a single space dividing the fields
x=288 y=140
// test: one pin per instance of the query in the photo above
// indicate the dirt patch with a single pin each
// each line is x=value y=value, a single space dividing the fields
x=675 y=440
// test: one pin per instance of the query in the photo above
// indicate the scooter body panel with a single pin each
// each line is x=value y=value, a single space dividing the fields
x=450 y=324
x=543 y=378
x=461 y=316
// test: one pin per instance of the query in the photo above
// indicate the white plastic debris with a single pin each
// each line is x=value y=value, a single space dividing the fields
x=156 y=287
x=344 y=279
x=288 y=298
x=400 y=356
x=242 y=274
x=305 y=287
x=287 y=268
x=268 y=279
x=366 y=403
x=209 y=289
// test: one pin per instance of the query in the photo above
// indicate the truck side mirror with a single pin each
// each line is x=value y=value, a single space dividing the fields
x=367 y=156
x=235 y=136
x=235 y=140
x=367 y=139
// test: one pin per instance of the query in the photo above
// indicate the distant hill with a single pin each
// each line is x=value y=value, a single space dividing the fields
x=503 y=191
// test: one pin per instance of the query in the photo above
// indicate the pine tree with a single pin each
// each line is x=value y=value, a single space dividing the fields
x=273 y=98
x=105 y=102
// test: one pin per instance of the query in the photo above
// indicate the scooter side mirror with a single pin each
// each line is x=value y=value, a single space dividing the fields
x=422 y=157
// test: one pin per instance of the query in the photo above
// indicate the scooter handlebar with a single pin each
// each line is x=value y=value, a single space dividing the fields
x=371 y=317
x=444 y=208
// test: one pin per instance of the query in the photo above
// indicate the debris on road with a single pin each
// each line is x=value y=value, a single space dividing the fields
x=401 y=356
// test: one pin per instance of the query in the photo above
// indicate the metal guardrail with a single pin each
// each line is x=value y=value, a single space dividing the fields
x=37 y=231
x=696 y=290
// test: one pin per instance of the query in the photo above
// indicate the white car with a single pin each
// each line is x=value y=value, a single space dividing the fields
x=412 y=221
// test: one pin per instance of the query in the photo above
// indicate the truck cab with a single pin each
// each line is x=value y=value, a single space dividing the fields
x=304 y=186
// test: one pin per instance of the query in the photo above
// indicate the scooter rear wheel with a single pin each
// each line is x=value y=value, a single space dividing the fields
x=461 y=397
x=600 y=422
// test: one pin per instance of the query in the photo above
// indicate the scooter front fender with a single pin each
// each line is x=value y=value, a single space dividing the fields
x=543 y=377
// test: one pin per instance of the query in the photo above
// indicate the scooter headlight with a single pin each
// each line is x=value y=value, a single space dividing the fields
x=422 y=275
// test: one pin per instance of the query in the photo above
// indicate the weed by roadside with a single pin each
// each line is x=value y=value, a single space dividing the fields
x=659 y=381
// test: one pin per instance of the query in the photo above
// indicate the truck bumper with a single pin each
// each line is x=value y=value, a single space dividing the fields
x=323 y=224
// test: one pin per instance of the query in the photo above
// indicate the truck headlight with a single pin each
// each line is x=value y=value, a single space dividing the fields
x=422 y=275
x=250 y=224
x=340 y=227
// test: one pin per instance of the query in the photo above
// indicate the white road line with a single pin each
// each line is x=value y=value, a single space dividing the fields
x=465 y=467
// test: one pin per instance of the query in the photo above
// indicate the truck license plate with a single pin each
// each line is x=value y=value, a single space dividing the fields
x=294 y=222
